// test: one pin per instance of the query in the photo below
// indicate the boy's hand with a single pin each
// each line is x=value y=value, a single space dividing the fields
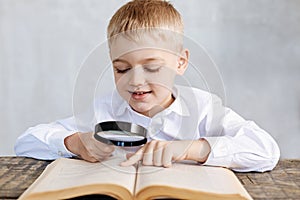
x=162 y=153
x=87 y=147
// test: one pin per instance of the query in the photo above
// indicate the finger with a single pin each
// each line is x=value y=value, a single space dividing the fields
x=91 y=159
x=100 y=152
x=92 y=150
x=128 y=155
x=134 y=158
x=85 y=156
x=108 y=148
x=104 y=150
x=167 y=156
x=157 y=154
x=148 y=153
x=92 y=156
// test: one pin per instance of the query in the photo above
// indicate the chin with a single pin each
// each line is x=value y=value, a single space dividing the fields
x=141 y=109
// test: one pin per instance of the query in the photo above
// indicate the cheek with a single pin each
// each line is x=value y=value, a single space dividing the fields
x=161 y=91
x=165 y=78
x=121 y=85
x=118 y=80
x=121 y=78
x=118 y=85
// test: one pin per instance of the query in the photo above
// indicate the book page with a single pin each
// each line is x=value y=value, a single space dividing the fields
x=66 y=173
x=208 y=179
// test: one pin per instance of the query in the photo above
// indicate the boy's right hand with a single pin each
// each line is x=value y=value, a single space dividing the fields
x=87 y=147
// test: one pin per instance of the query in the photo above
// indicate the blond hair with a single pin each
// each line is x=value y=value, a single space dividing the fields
x=145 y=15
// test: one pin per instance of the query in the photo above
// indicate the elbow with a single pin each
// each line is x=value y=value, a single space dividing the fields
x=261 y=162
x=18 y=148
x=268 y=163
x=254 y=163
x=271 y=158
x=26 y=147
x=266 y=154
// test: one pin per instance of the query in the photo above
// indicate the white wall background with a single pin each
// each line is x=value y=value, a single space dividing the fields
x=255 y=43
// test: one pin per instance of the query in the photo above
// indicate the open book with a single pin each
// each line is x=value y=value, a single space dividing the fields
x=68 y=178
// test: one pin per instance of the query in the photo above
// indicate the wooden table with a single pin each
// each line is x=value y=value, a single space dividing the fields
x=17 y=173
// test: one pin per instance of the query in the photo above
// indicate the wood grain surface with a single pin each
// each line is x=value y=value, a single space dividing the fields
x=18 y=173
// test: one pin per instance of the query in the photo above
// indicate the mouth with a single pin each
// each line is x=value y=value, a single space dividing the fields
x=139 y=95
x=140 y=92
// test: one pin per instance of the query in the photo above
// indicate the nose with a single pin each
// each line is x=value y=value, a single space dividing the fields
x=137 y=77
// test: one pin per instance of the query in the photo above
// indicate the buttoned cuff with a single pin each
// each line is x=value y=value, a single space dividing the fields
x=57 y=144
x=220 y=154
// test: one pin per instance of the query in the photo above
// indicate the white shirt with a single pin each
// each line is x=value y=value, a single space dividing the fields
x=235 y=143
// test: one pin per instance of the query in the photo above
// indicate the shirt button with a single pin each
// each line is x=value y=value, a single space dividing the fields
x=60 y=153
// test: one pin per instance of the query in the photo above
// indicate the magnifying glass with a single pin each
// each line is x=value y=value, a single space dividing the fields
x=120 y=133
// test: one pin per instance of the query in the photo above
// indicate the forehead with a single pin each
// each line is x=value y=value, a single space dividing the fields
x=146 y=55
x=123 y=45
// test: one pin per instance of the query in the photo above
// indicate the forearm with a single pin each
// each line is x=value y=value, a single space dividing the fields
x=251 y=149
x=237 y=143
x=45 y=141
x=198 y=151
x=74 y=144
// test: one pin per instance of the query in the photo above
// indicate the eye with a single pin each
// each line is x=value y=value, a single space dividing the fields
x=152 y=68
x=122 y=71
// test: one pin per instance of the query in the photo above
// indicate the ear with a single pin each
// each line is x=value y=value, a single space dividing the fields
x=183 y=61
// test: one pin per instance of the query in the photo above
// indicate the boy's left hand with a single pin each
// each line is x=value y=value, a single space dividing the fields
x=162 y=153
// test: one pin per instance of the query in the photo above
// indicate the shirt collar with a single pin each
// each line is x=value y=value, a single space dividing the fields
x=178 y=106
x=119 y=105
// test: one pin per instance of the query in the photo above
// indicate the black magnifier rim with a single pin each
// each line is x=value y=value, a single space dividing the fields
x=121 y=126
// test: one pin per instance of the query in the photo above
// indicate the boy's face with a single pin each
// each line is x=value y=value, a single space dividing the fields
x=144 y=77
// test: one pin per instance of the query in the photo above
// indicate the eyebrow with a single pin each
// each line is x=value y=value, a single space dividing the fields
x=119 y=60
x=143 y=61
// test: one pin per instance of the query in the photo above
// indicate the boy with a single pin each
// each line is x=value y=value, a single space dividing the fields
x=146 y=52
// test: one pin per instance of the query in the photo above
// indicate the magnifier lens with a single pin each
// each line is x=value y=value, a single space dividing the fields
x=120 y=133
x=120 y=136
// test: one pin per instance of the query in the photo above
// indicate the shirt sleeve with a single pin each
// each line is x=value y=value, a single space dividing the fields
x=236 y=143
x=46 y=141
